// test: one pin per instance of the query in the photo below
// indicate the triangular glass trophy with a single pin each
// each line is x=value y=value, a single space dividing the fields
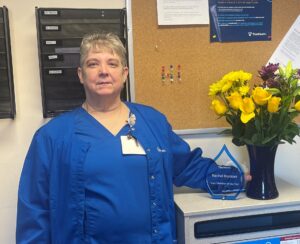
x=227 y=182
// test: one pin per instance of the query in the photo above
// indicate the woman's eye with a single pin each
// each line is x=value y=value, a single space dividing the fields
x=113 y=65
x=92 y=64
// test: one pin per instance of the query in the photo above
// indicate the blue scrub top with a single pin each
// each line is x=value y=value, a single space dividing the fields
x=116 y=187
x=77 y=187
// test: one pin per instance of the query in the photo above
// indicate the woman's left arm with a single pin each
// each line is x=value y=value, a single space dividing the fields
x=189 y=166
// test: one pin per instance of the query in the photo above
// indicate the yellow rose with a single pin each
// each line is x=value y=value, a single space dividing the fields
x=235 y=100
x=273 y=104
x=247 y=107
x=261 y=96
x=219 y=107
x=297 y=106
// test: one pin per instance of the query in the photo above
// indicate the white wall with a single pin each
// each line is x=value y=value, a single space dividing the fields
x=15 y=135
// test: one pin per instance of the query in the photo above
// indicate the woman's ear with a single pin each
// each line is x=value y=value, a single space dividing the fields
x=80 y=74
x=125 y=74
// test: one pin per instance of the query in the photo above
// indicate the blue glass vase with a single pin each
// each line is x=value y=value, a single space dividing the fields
x=262 y=186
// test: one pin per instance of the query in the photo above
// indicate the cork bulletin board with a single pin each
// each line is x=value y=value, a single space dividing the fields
x=186 y=102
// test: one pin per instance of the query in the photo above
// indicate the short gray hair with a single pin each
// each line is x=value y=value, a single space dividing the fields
x=102 y=41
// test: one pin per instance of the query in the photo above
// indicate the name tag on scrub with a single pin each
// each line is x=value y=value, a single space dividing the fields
x=131 y=146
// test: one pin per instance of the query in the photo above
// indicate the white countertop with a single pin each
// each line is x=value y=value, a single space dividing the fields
x=191 y=204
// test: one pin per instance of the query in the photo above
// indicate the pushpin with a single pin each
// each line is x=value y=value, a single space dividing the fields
x=179 y=72
x=171 y=73
x=163 y=74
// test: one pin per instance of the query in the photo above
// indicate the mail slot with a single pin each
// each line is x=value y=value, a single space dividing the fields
x=60 y=31
x=7 y=95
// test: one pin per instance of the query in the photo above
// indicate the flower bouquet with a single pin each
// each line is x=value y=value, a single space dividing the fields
x=262 y=115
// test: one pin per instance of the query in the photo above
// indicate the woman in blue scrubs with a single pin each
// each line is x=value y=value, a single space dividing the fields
x=104 y=172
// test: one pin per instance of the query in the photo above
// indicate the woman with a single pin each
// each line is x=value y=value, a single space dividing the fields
x=104 y=172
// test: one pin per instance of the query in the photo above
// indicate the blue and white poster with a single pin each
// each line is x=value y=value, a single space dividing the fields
x=240 y=20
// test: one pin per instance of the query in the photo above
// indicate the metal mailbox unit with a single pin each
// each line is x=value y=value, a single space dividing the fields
x=201 y=219
x=60 y=31
x=7 y=95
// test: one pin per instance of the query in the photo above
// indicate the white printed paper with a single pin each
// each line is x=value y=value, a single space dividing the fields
x=289 y=47
x=182 y=12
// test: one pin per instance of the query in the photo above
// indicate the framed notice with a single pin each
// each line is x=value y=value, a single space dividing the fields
x=240 y=20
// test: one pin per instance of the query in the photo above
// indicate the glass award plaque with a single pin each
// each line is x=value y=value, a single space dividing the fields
x=227 y=182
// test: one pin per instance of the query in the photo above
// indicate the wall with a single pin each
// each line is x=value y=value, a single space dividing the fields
x=15 y=135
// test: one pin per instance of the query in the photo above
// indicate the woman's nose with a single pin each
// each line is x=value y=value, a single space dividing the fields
x=103 y=69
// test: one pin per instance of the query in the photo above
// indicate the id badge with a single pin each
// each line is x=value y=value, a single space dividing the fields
x=130 y=145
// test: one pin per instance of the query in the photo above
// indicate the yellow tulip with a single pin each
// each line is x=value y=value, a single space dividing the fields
x=235 y=100
x=219 y=107
x=260 y=96
x=247 y=108
x=273 y=104
x=245 y=118
x=297 y=106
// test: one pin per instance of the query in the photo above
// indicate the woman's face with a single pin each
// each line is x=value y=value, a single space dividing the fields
x=102 y=74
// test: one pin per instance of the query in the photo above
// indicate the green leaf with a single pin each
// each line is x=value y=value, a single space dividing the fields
x=293 y=114
x=294 y=83
x=226 y=131
x=281 y=71
x=273 y=91
x=268 y=139
x=297 y=91
x=258 y=124
x=229 y=119
x=248 y=141
x=288 y=70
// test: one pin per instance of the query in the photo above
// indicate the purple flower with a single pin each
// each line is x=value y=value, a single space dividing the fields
x=268 y=72
x=272 y=83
